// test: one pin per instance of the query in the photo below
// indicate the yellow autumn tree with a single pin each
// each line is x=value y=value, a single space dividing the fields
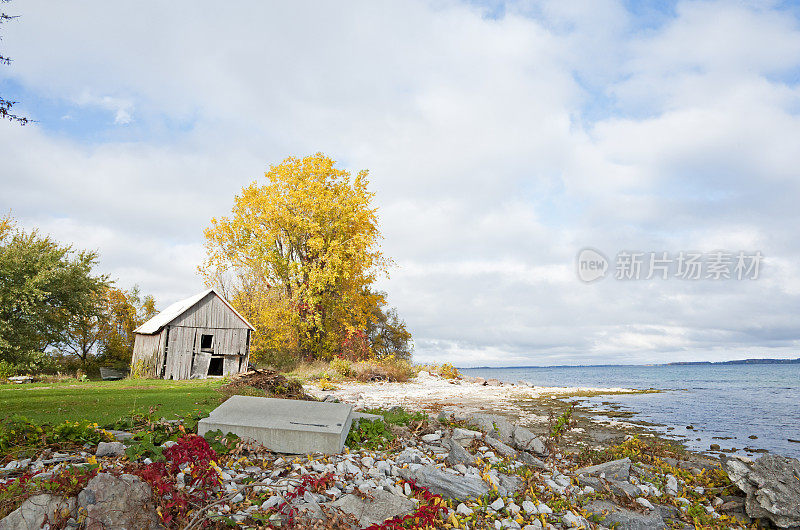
x=297 y=256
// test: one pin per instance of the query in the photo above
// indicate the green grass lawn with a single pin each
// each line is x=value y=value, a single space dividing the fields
x=105 y=402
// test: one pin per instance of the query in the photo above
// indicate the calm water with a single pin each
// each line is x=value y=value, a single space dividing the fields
x=719 y=401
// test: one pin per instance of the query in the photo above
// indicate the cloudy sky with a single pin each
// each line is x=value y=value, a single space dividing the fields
x=501 y=139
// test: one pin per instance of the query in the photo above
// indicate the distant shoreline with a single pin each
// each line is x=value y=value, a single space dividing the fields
x=678 y=363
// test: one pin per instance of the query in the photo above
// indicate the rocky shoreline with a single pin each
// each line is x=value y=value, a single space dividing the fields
x=456 y=466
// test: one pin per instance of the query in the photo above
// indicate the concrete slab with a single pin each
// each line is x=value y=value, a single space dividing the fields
x=283 y=425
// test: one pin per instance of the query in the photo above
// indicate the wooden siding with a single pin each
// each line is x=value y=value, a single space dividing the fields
x=149 y=350
x=210 y=312
x=185 y=360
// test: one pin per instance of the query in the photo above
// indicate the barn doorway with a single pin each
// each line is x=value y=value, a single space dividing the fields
x=215 y=366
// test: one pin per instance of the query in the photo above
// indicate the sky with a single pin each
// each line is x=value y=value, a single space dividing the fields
x=502 y=138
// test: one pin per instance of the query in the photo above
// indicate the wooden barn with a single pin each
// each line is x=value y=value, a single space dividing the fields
x=194 y=338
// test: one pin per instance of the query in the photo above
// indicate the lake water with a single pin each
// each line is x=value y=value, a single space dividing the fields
x=726 y=404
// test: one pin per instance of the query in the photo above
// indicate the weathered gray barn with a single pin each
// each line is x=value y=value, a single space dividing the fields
x=194 y=338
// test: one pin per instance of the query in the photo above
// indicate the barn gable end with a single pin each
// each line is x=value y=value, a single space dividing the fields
x=193 y=338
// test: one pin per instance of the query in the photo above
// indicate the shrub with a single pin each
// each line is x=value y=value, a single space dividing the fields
x=448 y=371
x=326 y=385
x=342 y=367
x=370 y=434
x=20 y=432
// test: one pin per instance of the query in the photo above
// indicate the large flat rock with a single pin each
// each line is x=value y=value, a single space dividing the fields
x=283 y=425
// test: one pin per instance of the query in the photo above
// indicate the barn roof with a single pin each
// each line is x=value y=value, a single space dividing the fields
x=155 y=324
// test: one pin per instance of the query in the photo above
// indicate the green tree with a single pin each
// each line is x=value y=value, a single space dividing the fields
x=387 y=334
x=106 y=333
x=43 y=286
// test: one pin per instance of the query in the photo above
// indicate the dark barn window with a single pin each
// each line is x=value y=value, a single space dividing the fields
x=206 y=342
x=215 y=366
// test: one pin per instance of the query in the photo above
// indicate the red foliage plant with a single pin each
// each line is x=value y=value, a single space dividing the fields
x=423 y=517
x=355 y=346
x=174 y=502
x=307 y=483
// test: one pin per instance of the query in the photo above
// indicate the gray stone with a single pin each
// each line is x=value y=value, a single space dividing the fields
x=624 y=518
x=493 y=382
x=500 y=447
x=531 y=460
x=382 y=506
x=616 y=469
x=447 y=485
x=123 y=502
x=38 y=509
x=493 y=425
x=458 y=455
x=772 y=486
x=110 y=449
x=283 y=425
x=617 y=487
x=365 y=416
x=525 y=440
x=465 y=436
x=509 y=484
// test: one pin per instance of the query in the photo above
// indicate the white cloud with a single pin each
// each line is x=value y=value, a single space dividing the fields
x=497 y=148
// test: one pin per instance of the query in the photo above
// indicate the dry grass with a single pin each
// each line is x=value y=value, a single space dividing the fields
x=314 y=371
x=384 y=370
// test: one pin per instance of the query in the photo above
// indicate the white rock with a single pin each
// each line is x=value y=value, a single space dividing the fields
x=498 y=504
x=271 y=502
x=384 y=467
x=529 y=507
x=644 y=502
x=672 y=485
x=573 y=521
x=463 y=509
x=513 y=508
x=543 y=508
x=430 y=438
